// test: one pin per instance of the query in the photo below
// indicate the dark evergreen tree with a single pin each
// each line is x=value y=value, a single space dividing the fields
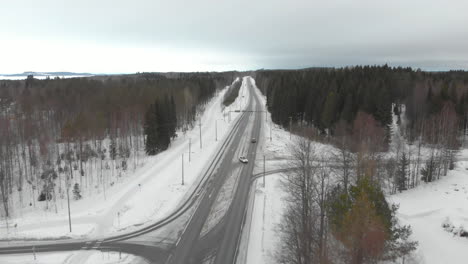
x=402 y=173
x=173 y=114
x=113 y=148
x=151 y=130
x=77 y=192
x=428 y=171
x=356 y=217
x=164 y=125
x=160 y=125
x=329 y=111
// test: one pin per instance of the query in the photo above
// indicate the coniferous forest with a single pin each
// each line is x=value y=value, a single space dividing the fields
x=324 y=96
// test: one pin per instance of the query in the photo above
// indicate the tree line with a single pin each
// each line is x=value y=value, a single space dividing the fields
x=232 y=93
x=356 y=104
x=324 y=96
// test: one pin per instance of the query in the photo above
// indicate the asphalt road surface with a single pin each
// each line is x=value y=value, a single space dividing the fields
x=222 y=246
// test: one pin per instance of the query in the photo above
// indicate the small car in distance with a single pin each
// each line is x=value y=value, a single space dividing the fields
x=243 y=159
x=254 y=140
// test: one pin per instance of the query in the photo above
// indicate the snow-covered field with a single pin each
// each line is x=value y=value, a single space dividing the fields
x=430 y=205
x=96 y=257
x=152 y=192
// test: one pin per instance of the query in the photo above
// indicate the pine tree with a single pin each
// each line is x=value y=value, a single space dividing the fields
x=113 y=148
x=328 y=114
x=428 y=171
x=402 y=173
x=163 y=125
x=173 y=115
x=367 y=225
x=76 y=192
x=151 y=130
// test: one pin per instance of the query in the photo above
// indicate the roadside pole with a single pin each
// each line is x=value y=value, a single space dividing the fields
x=68 y=202
x=263 y=171
x=182 y=168
x=189 y=149
x=290 y=126
x=199 y=124
x=270 y=129
x=118 y=219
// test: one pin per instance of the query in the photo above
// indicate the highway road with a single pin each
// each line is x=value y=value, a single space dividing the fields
x=190 y=247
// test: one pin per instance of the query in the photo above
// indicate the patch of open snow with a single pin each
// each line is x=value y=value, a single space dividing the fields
x=40 y=258
x=266 y=216
x=222 y=203
x=427 y=207
x=95 y=257
x=53 y=232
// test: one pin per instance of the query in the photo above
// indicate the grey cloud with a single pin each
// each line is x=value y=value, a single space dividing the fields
x=267 y=33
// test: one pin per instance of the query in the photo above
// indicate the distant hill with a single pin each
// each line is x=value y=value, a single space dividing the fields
x=44 y=74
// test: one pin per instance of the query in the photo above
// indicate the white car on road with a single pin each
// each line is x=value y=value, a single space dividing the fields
x=243 y=159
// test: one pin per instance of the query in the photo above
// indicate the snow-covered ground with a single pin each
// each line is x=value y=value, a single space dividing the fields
x=223 y=200
x=430 y=205
x=96 y=257
x=152 y=192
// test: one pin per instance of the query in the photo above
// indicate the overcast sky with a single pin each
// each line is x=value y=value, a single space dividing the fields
x=116 y=36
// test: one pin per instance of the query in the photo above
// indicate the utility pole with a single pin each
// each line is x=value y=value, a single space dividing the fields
x=199 y=124
x=290 y=126
x=263 y=171
x=189 y=149
x=104 y=186
x=68 y=201
x=270 y=129
x=182 y=168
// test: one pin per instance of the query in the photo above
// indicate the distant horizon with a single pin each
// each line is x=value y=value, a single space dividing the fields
x=84 y=73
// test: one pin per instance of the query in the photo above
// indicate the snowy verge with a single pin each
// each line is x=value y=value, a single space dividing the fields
x=96 y=257
x=431 y=205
